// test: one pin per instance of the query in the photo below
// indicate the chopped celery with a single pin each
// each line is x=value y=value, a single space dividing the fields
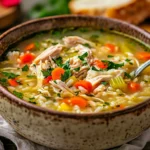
x=118 y=83
x=71 y=81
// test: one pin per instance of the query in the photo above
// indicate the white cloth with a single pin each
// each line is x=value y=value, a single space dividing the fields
x=23 y=144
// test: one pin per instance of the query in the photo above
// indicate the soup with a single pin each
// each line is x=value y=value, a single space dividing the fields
x=80 y=70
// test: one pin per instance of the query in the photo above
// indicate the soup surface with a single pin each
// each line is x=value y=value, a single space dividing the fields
x=78 y=70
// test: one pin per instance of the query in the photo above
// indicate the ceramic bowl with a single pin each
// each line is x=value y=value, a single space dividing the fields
x=70 y=131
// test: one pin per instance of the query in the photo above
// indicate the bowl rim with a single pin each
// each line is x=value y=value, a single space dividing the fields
x=21 y=102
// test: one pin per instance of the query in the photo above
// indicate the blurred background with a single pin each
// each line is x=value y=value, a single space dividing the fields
x=13 y=12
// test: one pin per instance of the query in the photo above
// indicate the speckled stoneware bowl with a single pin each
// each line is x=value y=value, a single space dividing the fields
x=70 y=131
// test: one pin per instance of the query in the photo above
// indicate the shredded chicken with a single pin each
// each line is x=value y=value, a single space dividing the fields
x=71 y=41
x=96 y=80
x=52 y=51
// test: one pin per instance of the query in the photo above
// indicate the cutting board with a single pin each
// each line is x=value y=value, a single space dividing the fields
x=8 y=15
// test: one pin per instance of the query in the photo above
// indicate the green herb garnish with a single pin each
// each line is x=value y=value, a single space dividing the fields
x=3 y=81
x=112 y=65
x=95 y=69
x=110 y=56
x=18 y=94
x=25 y=68
x=58 y=61
x=127 y=75
x=47 y=72
x=129 y=61
x=66 y=75
x=31 y=100
x=86 y=45
x=10 y=75
x=77 y=69
x=31 y=76
x=104 y=82
x=82 y=57
x=37 y=44
x=106 y=104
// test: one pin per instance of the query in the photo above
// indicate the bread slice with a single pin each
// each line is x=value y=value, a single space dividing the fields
x=133 y=11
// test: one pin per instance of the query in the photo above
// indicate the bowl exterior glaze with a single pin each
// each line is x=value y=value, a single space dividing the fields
x=72 y=131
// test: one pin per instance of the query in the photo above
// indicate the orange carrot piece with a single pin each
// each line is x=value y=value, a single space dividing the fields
x=81 y=102
x=13 y=82
x=100 y=64
x=122 y=106
x=85 y=84
x=47 y=79
x=134 y=87
x=112 y=47
x=57 y=72
x=143 y=55
x=30 y=47
x=27 y=58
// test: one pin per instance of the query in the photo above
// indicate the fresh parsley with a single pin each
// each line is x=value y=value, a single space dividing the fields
x=47 y=72
x=106 y=104
x=129 y=61
x=77 y=69
x=66 y=75
x=31 y=76
x=127 y=75
x=31 y=100
x=95 y=69
x=58 y=61
x=112 y=65
x=82 y=57
x=110 y=56
x=18 y=94
x=3 y=81
x=10 y=75
x=104 y=82
x=86 y=45
x=25 y=68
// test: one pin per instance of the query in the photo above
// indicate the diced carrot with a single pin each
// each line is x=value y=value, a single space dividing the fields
x=57 y=72
x=47 y=79
x=100 y=64
x=30 y=47
x=134 y=87
x=143 y=55
x=81 y=102
x=111 y=47
x=13 y=82
x=122 y=106
x=85 y=84
x=27 y=58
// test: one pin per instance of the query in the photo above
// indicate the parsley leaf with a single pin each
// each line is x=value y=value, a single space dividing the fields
x=3 y=81
x=95 y=69
x=127 y=75
x=77 y=69
x=58 y=61
x=10 y=75
x=37 y=44
x=104 y=82
x=66 y=75
x=47 y=72
x=18 y=94
x=66 y=65
x=31 y=76
x=129 y=61
x=82 y=57
x=110 y=56
x=86 y=45
x=106 y=104
x=25 y=68
x=112 y=65
x=31 y=100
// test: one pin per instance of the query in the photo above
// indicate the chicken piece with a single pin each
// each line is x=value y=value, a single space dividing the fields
x=52 y=51
x=100 y=88
x=61 y=86
x=82 y=73
x=71 y=41
x=75 y=62
x=96 y=80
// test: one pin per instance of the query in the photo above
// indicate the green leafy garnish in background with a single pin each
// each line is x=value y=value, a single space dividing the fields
x=49 y=8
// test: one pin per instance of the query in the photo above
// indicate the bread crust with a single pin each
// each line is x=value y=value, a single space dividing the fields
x=134 y=12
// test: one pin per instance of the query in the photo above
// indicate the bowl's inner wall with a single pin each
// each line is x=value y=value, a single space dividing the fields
x=17 y=33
